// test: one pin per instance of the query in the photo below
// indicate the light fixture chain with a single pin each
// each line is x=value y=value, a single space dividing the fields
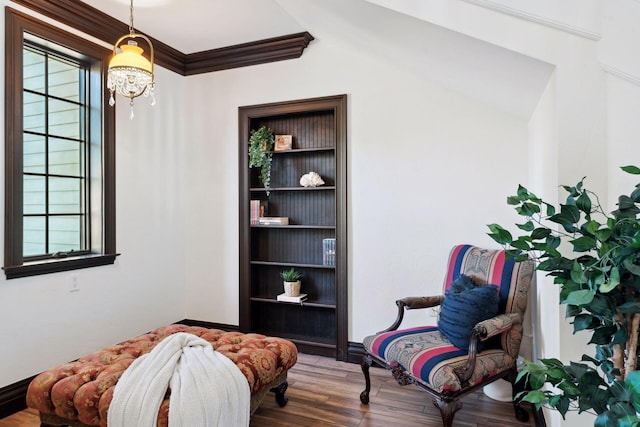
x=131 y=18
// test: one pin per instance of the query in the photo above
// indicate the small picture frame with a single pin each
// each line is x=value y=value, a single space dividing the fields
x=283 y=143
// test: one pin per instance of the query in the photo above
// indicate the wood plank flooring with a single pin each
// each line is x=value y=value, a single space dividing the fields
x=324 y=392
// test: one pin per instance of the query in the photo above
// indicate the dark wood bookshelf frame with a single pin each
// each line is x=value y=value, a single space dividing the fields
x=332 y=109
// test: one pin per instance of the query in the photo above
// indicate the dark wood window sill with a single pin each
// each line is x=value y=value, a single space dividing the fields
x=35 y=268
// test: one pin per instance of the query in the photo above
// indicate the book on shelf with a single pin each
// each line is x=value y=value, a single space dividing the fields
x=329 y=252
x=273 y=220
x=255 y=211
x=299 y=299
x=258 y=209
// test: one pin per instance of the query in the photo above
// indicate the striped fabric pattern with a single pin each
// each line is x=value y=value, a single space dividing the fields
x=430 y=357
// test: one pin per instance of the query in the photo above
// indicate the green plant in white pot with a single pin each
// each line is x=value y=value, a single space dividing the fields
x=599 y=281
x=260 y=153
x=292 y=282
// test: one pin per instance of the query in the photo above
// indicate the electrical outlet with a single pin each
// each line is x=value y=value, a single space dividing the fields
x=74 y=283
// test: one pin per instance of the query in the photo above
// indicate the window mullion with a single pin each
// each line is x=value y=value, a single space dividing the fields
x=46 y=154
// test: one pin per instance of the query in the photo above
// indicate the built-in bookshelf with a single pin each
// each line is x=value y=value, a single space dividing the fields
x=317 y=220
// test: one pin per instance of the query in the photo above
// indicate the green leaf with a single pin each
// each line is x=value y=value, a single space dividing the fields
x=602 y=306
x=620 y=337
x=584 y=203
x=577 y=274
x=521 y=243
x=551 y=210
x=603 y=335
x=631 y=169
x=499 y=234
x=540 y=233
x=582 y=322
x=571 y=212
x=513 y=200
x=605 y=420
x=629 y=421
x=535 y=397
x=629 y=265
x=632 y=380
x=572 y=311
x=583 y=244
x=528 y=209
x=569 y=388
x=527 y=226
x=630 y=307
x=619 y=391
x=553 y=242
x=523 y=193
x=592 y=227
x=551 y=362
x=603 y=235
x=581 y=297
x=537 y=380
x=614 y=280
x=625 y=202
x=558 y=374
x=563 y=405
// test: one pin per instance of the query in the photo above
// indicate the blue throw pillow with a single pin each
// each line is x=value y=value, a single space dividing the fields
x=465 y=304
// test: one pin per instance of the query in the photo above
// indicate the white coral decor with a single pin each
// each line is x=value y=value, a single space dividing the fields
x=311 y=179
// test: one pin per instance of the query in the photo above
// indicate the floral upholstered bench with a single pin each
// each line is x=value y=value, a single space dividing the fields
x=79 y=393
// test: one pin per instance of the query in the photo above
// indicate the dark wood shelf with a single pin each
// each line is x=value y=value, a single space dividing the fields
x=292 y=264
x=319 y=130
x=296 y=226
x=303 y=303
x=272 y=189
x=303 y=150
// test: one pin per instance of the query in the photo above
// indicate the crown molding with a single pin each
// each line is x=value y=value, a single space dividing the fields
x=628 y=77
x=91 y=21
x=518 y=13
x=241 y=55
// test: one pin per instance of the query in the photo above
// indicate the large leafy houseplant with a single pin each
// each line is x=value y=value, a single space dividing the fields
x=260 y=153
x=600 y=285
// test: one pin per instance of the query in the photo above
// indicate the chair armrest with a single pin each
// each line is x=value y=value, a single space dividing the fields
x=496 y=325
x=412 y=303
x=481 y=332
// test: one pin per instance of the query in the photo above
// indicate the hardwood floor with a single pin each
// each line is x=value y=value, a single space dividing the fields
x=324 y=392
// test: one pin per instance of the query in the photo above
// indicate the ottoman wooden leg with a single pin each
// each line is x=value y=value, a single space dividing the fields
x=279 y=391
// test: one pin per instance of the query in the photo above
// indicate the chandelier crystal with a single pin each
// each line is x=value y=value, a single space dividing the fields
x=131 y=74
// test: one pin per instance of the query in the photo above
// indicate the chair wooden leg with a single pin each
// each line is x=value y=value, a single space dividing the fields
x=366 y=364
x=521 y=413
x=447 y=410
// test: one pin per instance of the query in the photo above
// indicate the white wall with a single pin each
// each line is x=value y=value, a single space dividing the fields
x=431 y=160
x=426 y=168
x=41 y=323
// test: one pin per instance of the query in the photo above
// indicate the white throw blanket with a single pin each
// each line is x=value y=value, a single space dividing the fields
x=207 y=389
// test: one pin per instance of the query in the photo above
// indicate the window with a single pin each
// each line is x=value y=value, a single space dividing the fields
x=59 y=159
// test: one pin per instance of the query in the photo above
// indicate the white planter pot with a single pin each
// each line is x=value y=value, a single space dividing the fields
x=292 y=289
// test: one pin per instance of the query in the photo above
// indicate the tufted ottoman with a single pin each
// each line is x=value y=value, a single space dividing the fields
x=79 y=393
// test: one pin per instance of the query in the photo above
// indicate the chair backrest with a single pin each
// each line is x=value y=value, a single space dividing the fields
x=488 y=266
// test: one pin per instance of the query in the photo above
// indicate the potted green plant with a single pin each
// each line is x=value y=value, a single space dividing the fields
x=600 y=285
x=260 y=153
x=291 y=282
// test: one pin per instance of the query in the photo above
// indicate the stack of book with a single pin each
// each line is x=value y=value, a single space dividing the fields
x=273 y=220
x=299 y=299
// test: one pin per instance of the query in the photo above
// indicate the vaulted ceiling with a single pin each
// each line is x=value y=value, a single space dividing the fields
x=197 y=25
x=200 y=36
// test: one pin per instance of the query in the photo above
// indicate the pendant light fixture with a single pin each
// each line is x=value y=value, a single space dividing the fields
x=131 y=74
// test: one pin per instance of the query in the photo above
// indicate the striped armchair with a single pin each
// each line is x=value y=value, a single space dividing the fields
x=425 y=357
